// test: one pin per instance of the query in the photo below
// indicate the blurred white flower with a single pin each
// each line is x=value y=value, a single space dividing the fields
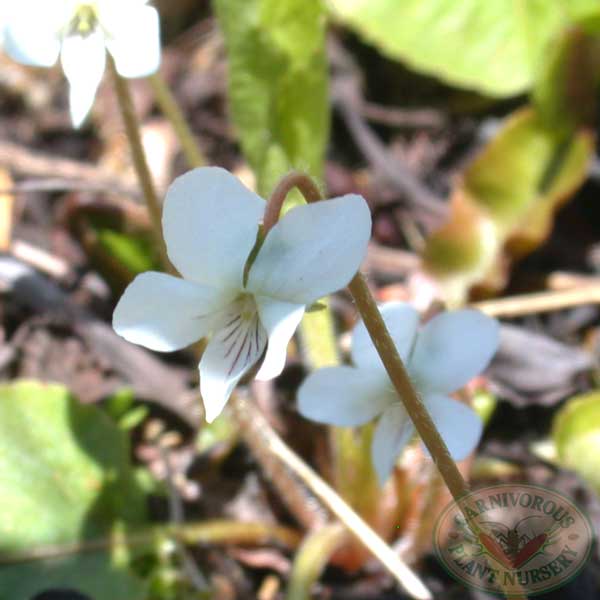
x=440 y=357
x=210 y=225
x=39 y=31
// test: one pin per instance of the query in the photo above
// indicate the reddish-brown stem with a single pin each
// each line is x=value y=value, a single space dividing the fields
x=292 y=180
x=384 y=344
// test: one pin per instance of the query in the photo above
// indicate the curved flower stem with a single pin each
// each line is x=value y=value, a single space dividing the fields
x=312 y=557
x=376 y=327
x=367 y=307
x=218 y=531
x=294 y=179
x=171 y=110
x=132 y=130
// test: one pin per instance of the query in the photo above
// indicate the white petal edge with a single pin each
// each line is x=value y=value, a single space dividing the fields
x=402 y=321
x=34 y=41
x=280 y=319
x=210 y=223
x=344 y=396
x=314 y=250
x=453 y=348
x=393 y=431
x=459 y=425
x=165 y=313
x=83 y=60
x=230 y=354
x=134 y=40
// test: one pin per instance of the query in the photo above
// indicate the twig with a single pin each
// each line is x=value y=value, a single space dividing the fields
x=40 y=259
x=402 y=117
x=65 y=185
x=528 y=304
x=391 y=169
x=346 y=91
x=294 y=493
x=564 y=280
x=22 y=160
x=390 y=262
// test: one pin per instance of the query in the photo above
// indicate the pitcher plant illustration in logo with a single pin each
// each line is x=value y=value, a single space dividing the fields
x=521 y=538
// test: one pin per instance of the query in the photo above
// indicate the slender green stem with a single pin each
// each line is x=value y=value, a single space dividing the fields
x=170 y=108
x=132 y=130
x=312 y=557
x=218 y=531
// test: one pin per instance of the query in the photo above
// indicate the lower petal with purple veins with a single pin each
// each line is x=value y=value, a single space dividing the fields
x=230 y=354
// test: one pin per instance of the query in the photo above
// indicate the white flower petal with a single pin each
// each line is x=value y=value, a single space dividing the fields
x=133 y=39
x=32 y=34
x=83 y=60
x=458 y=424
x=402 y=321
x=453 y=348
x=344 y=396
x=165 y=313
x=210 y=223
x=281 y=320
x=229 y=355
x=314 y=250
x=393 y=431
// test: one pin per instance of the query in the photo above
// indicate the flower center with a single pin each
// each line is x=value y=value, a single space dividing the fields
x=85 y=20
x=242 y=335
x=247 y=307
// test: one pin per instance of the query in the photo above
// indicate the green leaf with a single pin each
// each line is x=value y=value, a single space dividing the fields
x=492 y=46
x=90 y=574
x=277 y=84
x=66 y=477
x=576 y=434
x=133 y=252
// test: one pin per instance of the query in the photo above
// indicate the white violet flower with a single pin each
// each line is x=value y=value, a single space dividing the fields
x=38 y=31
x=210 y=225
x=441 y=357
